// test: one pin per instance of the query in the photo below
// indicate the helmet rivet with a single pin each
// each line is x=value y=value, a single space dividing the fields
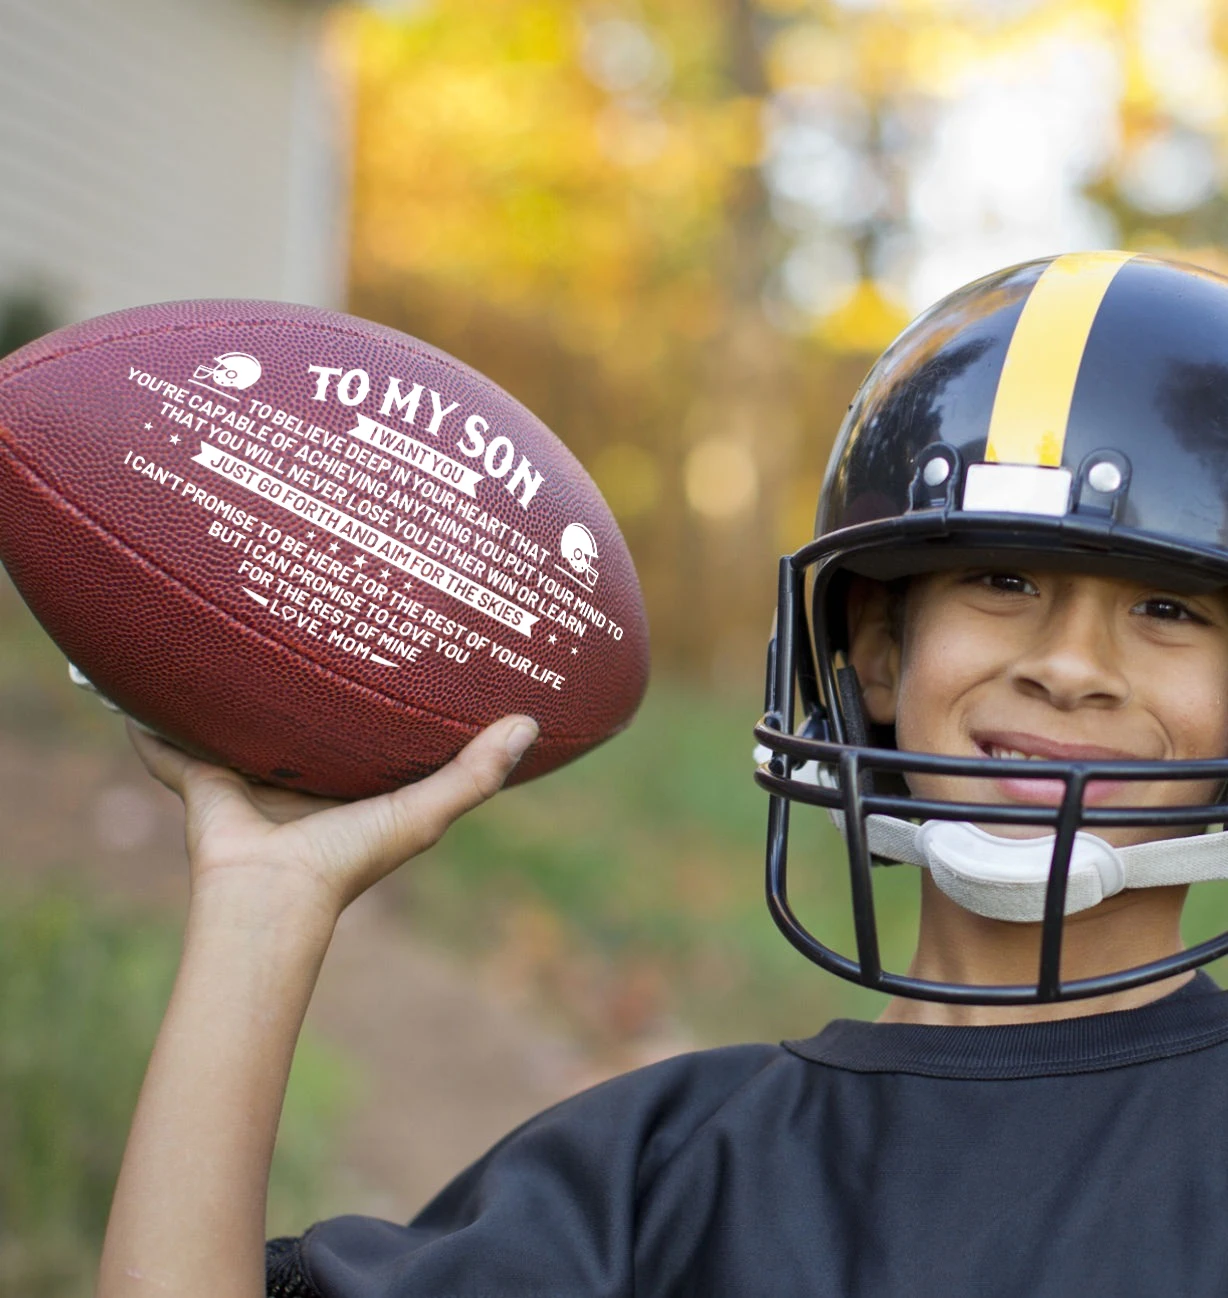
x=936 y=472
x=1104 y=477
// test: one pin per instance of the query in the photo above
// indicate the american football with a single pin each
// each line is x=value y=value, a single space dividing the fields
x=311 y=547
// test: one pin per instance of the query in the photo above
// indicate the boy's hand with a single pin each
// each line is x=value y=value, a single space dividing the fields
x=294 y=848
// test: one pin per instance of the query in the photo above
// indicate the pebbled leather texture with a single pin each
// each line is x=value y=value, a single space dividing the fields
x=328 y=564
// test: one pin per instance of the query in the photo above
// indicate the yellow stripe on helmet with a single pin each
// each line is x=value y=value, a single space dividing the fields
x=1036 y=386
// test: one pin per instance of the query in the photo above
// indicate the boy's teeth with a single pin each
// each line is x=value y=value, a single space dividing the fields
x=1012 y=753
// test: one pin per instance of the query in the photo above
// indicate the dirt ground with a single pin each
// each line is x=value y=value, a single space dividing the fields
x=445 y=1065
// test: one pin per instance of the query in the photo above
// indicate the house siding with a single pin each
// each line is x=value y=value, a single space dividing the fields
x=160 y=149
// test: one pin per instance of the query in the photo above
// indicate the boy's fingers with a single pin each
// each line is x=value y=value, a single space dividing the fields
x=163 y=761
x=356 y=842
x=479 y=770
x=424 y=810
x=401 y=824
x=179 y=771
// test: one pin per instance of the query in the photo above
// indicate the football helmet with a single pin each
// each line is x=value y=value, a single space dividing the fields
x=1071 y=412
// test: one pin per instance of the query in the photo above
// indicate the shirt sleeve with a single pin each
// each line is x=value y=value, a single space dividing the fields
x=553 y=1209
x=284 y=1276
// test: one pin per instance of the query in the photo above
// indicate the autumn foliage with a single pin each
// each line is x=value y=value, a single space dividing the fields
x=679 y=229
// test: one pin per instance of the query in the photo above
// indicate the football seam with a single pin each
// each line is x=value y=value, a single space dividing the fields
x=543 y=741
x=448 y=363
x=454 y=366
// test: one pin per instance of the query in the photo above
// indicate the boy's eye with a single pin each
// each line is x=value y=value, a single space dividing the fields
x=1010 y=583
x=1166 y=609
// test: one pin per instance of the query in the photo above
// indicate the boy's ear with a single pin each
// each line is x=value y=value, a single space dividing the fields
x=874 y=647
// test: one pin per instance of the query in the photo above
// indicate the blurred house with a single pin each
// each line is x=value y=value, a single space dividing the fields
x=160 y=149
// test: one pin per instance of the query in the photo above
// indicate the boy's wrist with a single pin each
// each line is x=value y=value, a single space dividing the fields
x=235 y=903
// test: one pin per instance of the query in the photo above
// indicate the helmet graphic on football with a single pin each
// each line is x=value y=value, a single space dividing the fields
x=579 y=550
x=230 y=370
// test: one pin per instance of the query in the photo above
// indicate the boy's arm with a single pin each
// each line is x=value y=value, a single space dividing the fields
x=189 y=1208
x=270 y=873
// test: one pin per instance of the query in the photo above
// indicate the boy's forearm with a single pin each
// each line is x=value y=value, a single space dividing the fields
x=189 y=1208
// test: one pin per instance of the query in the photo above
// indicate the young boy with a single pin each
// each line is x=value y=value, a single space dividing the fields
x=1020 y=559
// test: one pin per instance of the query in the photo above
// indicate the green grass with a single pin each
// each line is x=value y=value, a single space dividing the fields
x=629 y=886
x=83 y=991
x=623 y=893
x=627 y=890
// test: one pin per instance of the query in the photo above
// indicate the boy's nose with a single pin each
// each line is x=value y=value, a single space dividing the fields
x=1074 y=661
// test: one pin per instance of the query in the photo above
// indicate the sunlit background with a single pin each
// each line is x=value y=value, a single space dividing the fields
x=678 y=230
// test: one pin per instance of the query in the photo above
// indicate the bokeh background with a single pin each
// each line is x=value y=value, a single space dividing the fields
x=678 y=230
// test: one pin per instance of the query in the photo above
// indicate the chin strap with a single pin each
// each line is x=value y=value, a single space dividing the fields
x=1006 y=878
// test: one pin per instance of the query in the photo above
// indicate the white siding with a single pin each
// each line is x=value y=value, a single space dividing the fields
x=159 y=149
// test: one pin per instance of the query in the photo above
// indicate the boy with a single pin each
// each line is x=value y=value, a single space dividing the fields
x=1021 y=560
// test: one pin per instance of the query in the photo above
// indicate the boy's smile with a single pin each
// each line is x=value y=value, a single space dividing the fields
x=1028 y=747
x=1032 y=664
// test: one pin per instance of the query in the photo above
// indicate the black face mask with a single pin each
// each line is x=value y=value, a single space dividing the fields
x=1070 y=413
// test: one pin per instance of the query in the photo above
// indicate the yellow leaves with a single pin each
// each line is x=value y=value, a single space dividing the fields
x=736 y=131
x=629 y=478
x=487 y=157
x=633 y=140
x=720 y=478
x=866 y=321
x=542 y=34
x=809 y=54
x=1175 y=45
x=795 y=520
x=1115 y=12
x=868 y=55
x=927 y=46
x=940 y=57
x=882 y=57
x=1139 y=98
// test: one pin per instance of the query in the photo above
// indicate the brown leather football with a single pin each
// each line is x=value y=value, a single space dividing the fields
x=311 y=547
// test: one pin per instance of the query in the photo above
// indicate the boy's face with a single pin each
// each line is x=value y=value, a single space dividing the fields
x=1051 y=665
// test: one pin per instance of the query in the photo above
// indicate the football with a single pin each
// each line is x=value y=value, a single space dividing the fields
x=310 y=547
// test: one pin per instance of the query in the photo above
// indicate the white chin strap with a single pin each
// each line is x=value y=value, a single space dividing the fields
x=1006 y=878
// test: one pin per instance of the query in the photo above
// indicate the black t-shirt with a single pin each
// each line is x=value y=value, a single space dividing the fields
x=1083 y=1157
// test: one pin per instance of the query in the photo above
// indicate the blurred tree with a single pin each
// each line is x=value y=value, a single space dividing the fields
x=677 y=229
x=570 y=198
x=916 y=146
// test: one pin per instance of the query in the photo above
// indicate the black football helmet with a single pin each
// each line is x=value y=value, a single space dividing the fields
x=1071 y=412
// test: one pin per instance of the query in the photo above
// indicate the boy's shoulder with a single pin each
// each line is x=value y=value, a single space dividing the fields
x=701 y=1166
x=669 y=1099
